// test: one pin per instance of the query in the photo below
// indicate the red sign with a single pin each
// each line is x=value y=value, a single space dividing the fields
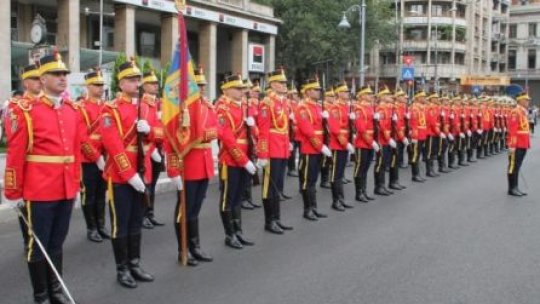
x=408 y=60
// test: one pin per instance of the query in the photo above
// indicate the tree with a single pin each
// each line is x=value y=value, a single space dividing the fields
x=309 y=33
x=114 y=79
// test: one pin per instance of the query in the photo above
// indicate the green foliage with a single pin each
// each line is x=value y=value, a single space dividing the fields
x=114 y=80
x=147 y=66
x=310 y=34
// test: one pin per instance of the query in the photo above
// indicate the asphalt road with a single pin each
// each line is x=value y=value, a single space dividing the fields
x=456 y=239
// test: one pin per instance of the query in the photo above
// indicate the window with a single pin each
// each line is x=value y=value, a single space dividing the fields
x=436 y=10
x=512 y=59
x=513 y=31
x=531 y=59
x=416 y=10
x=532 y=29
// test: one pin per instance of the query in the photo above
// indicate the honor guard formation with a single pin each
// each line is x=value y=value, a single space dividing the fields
x=112 y=153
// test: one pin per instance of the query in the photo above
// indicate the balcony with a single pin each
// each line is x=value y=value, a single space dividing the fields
x=442 y=45
x=427 y=70
x=419 y=20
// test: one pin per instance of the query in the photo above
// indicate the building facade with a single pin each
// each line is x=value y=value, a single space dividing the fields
x=524 y=45
x=224 y=35
x=448 y=40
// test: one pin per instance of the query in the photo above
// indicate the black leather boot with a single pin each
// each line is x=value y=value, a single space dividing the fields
x=56 y=292
x=100 y=219
x=123 y=275
x=91 y=228
x=134 y=255
x=364 y=190
x=359 y=192
x=325 y=174
x=308 y=211
x=237 y=226
x=194 y=242
x=270 y=224
x=341 y=195
x=313 y=200
x=38 y=276
x=336 y=204
x=230 y=237
x=277 y=216
x=190 y=261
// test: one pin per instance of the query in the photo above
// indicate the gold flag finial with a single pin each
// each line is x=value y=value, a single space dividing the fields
x=180 y=4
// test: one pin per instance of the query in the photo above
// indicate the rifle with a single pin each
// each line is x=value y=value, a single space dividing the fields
x=326 y=137
x=140 y=157
x=351 y=122
x=251 y=141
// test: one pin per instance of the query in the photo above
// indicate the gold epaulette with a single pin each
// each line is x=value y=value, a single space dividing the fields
x=111 y=104
x=24 y=104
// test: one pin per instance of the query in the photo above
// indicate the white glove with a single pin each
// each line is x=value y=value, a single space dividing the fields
x=155 y=156
x=376 y=116
x=406 y=141
x=496 y=130
x=442 y=135
x=350 y=147
x=462 y=115
x=443 y=114
x=479 y=131
x=414 y=141
x=325 y=114
x=159 y=115
x=408 y=115
x=262 y=162
x=250 y=121
x=451 y=116
x=137 y=183
x=504 y=129
x=12 y=204
x=450 y=137
x=376 y=146
x=394 y=117
x=291 y=147
x=250 y=168
x=326 y=151
x=392 y=143
x=352 y=116
x=143 y=126
x=480 y=114
x=291 y=116
x=469 y=133
x=177 y=180
x=461 y=135
x=100 y=163
x=472 y=115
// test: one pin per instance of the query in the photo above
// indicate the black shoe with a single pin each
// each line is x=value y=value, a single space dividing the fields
x=273 y=227
x=233 y=242
x=246 y=205
x=284 y=196
x=147 y=224
x=318 y=214
x=199 y=255
x=432 y=174
x=254 y=205
x=310 y=215
x=394 y=186
x=387 y=191
x=463 y=164
x=138 y=273
x=346 y=181
x=361 y=197
x=104 y=233
x=521 y=192
x=283 y=226
x=380 y=191
x=195 y=242
x=418 y=179
x=124 y=277
x=155 y=222
x=369 y=198
x=325 y=185
x=292 y=173
x=444 y=170
x=94 y=236
x=191 y=261
x=346 y=204
x=336 y=205
x=514 y=192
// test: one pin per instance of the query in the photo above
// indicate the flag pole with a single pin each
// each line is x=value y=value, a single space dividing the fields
x=182 y=93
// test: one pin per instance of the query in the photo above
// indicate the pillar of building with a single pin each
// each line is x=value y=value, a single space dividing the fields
x=208 y=55
x=68 y=38
x=169 y=37
x=5 y=39
x=124 y=29
x=239 y=45
x=85 y=33
x=270 y=53
x=24 y=22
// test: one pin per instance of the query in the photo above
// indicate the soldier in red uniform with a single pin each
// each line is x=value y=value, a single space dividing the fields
x=455 y=132
x=364 y=142
x=235 y=166
x=448 y=137
x=473 y=118
x=339 y=127
x=93 y=162
x=465 y=132
x=383 y=119
x=120 y=127
x=434 y=131
x=150 y=86
x=273 y=149
x=309 y=118
x=518 y=142
x=399 y=110
x=193 y=149
x=418 y=133
x=32 y=91
x=43 y=169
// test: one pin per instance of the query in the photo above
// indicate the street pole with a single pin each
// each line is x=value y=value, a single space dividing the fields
x=436 y=58
x=362 y=42
x=100 y=58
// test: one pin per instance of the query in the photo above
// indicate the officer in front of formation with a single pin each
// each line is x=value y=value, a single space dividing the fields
x=150 y=87
x=191 y=149
x=309 y=118
x=32 y=90
x=273 y=149
x=43 y=170
x=92 y=157
x=235 y=167
x=518 y=142
x=120 y=128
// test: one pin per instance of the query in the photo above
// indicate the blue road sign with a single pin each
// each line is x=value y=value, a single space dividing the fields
x=407 y=73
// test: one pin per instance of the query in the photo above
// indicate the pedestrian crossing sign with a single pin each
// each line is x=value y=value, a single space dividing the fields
x=407 y=73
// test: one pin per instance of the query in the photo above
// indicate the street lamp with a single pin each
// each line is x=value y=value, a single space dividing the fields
x=88 y=12
x=344 y=24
